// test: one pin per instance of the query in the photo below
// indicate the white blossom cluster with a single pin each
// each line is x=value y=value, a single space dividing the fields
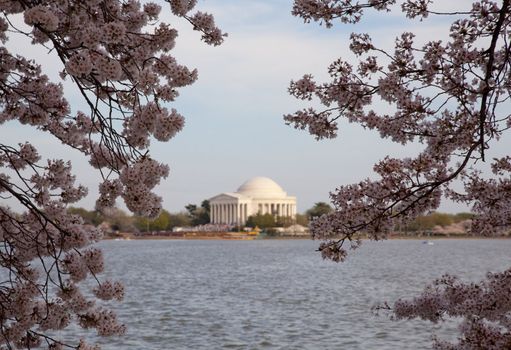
x=421 y=83
x=485 y=308
x=201 y=21
x=42 y=16
x=452 y=96
x=326 y=11
x=152 y=119
x=138 y=180
x=118 y=55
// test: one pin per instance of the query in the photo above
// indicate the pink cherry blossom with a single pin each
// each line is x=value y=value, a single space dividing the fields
x=118 y=55
x=451 y=96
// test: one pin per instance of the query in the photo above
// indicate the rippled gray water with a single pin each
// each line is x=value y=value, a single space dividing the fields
x=279 y=294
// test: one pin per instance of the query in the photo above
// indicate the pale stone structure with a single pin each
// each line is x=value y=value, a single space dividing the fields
x=258 y=195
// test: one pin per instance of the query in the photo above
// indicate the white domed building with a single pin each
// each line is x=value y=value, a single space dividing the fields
x=257 y=195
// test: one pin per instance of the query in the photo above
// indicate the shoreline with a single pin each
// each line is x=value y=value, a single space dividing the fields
x=238 y=236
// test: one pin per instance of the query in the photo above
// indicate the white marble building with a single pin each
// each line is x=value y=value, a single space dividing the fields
x=257 y=195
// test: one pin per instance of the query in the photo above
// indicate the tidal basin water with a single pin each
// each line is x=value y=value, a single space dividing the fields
x=280 y=294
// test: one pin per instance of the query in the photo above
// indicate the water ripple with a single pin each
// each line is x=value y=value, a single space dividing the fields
x=280 y=294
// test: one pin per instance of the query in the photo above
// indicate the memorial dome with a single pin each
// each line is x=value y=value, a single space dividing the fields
x=259 y=195
x=261 y=187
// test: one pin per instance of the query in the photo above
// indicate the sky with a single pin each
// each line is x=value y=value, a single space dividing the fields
x=234 y=112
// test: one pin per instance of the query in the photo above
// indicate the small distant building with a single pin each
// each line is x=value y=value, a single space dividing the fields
x=257 y=195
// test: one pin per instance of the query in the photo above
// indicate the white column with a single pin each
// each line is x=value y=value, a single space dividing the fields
x=212 y=213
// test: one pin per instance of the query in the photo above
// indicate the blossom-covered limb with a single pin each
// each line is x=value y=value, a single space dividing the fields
x=451 y=96
x=119 y=57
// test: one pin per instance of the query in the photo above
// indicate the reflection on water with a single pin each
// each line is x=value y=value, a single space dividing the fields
x=279 y=294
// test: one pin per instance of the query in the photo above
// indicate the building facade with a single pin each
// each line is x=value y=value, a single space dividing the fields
x=258 y=195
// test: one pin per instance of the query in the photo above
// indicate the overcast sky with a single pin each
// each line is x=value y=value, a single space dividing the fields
x=234 y=127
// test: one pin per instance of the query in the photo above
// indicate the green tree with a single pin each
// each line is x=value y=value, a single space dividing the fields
x=141 y=223
x=179 y=220
x=160 y=223
x=262 y=221
x=318 y=209
x=118 y=220
x=302 y=219
x=441 y=219
x=283 y=221
x=205 y=205
x=198 y=215
x=463 y=216
x=191 y=208
x=93 y=217
x=427 y=222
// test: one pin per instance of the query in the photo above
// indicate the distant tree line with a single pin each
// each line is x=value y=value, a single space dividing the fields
x=118 y=220
x=428 y=222
x=195 y=215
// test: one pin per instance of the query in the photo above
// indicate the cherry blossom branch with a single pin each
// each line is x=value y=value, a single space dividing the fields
x=450 y=96
x=118 y=56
